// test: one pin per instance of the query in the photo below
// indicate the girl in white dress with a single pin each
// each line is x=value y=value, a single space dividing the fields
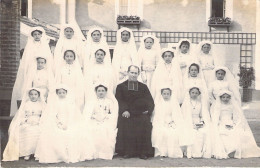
x=99 y=72
x=71 y=38
x=101 y=119
x=95 y=41
x=167 y=121
x=149 y=55
x=125 y=53
x=232 y=132
x=42 y=77
x=61 y=139
x=197 y=122
x=223 y=80
x=167 y=73
x=206 y=59
x=71 y=75
x=24 y=130
x=194 y=77
x=185 y=54
x=36 y=43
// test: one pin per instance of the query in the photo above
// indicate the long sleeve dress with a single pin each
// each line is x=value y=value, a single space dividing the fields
x=167 y=127
x=25 y=129
x=231 y=132
x=101 y=119
x=61 y=140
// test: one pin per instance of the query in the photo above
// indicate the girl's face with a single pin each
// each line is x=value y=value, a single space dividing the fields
x=225 y=98
x=184 y=48
x=68 y=32
x=125 y=36
x=101 y=92
x=100 y=57
x=33 y=95
x=220 y=74
x=41 y=62
x=61 y=93
x=69 y=57
x=167 y=57
x=194 y=93
x=166 y=94
x=193 y=71
x=37 y=36
x=206 y=48
x=148 y=43
x=96 y=36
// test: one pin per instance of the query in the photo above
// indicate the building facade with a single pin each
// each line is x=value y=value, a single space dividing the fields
x=169 y=20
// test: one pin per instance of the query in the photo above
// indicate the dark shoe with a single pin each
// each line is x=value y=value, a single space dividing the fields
x=143 y=157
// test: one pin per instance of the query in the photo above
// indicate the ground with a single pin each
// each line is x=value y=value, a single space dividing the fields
x=252 y=113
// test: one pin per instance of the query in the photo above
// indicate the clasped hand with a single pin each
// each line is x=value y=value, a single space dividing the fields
x=126 y=114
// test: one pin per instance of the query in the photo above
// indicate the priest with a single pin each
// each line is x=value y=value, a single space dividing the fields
x=134 y=120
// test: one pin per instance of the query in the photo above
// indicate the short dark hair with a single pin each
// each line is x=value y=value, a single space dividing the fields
x=221 y=70
x=185 y=42
x=100 y=50
x=127 y=32
x=96 y=88
x=60 y=89
x=36 y=91
x=36 y=31
x=195 y=88
x=163 y=89
x=95 y=31
x=196 y=65
x=41 y=58
x=168 y=51
x=69 y=28
x=206 y=44
x=225 y=94
x=150 y=38
x=128 y=70
x=69 y=51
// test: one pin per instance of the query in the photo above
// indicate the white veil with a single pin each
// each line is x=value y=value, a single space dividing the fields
x=76 y=43
x=11 y=152
x=109 y=76
x=229 y=77
x=79 y=92
x=176 y=110
x=31 y=50
x=33 y=71
x=201 y=44
x=93 y=46
x=190 y=51
x=162 y=77
x=155 y=48
x=200 y=76
x=89 y=107
x=189 y=136
x=248 y=144
x=118 y=51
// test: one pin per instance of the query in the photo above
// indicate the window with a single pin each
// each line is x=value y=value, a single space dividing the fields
x=129 y=8
x=24 y=9
x=219 y=8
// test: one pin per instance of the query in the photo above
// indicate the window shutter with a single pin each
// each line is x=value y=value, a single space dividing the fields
x=229 y=9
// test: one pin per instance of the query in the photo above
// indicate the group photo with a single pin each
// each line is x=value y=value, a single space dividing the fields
x=127 y=89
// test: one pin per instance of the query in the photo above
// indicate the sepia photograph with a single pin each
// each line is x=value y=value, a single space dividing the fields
x=130 y=83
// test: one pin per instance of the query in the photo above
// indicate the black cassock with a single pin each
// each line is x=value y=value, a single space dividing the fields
x=134 y=133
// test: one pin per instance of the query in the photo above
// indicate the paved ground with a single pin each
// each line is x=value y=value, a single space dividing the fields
x=252 y=113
